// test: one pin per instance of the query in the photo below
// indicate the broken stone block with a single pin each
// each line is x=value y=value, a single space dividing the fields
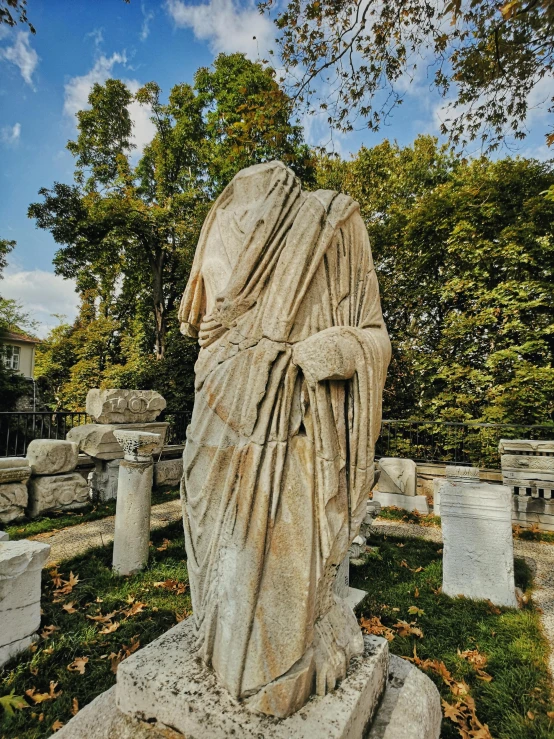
x=4 y=536
x=52 y=456
x=124 y=406
x=397 y=476
x=103 y=479
x=98 y=440
x=21 y=563
x=478 y=546
x=13 y=501
x=53 y=492
x=411 y=503
x=14 y=469
x=168 y=473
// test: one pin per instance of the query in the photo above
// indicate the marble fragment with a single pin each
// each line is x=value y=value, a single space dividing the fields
x=124 y=406
x=398 y=476
x=98 y=440
x=57 y=492
x=14 y=469
x=411 y=503
x=168 y=473
x=13 y=501
x=478 y=559
x=52 y=456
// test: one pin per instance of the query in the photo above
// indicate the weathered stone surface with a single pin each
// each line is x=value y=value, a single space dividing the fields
x=14 y=469
x=98 y=440
x=410 y=709
x=21 y=563
x=52 y=492
x=103 y=479
x=52 y=456
x=4 y=536
x=478 y=547
x=524 y=462
x=183 y=694
x=134 y=493
x=124 y=406
x=526 y=446
x=13 y=501
x=410 y=503
x=529 y=511
x=284 y=301
x=411 y=706
x=9 y=651
x=461 y=473
x=168 y=473
x=397 y=476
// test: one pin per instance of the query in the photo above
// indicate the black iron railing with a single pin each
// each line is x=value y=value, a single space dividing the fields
x=468 y=443
x=18 y=429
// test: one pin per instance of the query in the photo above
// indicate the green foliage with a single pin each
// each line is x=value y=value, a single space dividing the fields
x=464 y=252
x=356 y=60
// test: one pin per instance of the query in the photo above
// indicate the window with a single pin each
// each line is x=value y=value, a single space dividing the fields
x=10 y=355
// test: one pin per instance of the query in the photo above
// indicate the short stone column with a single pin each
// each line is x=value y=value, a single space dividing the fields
x=132 y=515
x=478 y=547
x=21 y=564
x=454 y=473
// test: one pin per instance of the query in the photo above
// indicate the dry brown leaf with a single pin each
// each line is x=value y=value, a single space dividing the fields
x=134 y=645
x=494 y=609
x=530 y=715
x=110 y=628
x=416 y=593
x=115 y=659
x=42 y=697
x=181 y=616
x=174 y=585
x=164 y=545
x=67 y=587
x=134 y=609
x=68 y=608
x=406 y=629
x=74 y=707
x=57 y=725
x=78 y=665
x=374 y=626
x=47 y=631
x=103 y=619
x=414 y=610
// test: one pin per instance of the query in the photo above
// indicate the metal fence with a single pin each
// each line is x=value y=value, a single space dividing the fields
x=423 y=441
x=467 y=443
x=18 y=429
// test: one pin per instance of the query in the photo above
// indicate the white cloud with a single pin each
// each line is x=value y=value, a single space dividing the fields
x=147 y=17
x=227 y=25
x=42 y=295
x=77 y=91
x=9 y=135
x=22 y=55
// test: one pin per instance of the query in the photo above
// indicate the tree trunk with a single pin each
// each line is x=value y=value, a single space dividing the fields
x=160 y=318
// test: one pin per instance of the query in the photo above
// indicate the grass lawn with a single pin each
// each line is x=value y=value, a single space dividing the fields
x=55 y=521
x=101 y=618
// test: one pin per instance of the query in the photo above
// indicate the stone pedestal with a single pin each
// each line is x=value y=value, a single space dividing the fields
x=21 y=563
x=454 y=473
x=411 y=503
x=478 y=560
x=164 y=691
x=132 y=516
x=528 y=470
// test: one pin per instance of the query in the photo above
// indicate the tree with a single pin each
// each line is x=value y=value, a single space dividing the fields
x=490 y=55
x=13 y=12
x=464 y=253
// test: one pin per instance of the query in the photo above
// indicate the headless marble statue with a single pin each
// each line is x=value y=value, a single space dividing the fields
x=284 y=301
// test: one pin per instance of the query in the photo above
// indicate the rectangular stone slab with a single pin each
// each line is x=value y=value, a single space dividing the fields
x=525 y=446
x=406 y=502
x=14 y=474
x=526 y=462
x=97 y=439
x=167 y=685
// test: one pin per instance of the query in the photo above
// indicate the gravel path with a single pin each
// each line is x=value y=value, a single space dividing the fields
x=75 y=540
x=538 y=555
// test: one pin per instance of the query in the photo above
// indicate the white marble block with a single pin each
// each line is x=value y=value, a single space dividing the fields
x=103 y=479
x=21 y=563
x=4 y=536
x=168 y=473
x=478 y=560
x=397 y=476
x=124 y=406
x=13 y=501
x=98 y=440
x=52 y=456
x=57 y=492
x=132 y=515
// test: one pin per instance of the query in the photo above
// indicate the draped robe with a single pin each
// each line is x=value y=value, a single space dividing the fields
x=277 y=469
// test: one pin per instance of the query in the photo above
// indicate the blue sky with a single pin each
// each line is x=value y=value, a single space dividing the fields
x=45 y=79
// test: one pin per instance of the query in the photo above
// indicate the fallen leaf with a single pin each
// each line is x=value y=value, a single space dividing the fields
x=57 y=725
x=174 y=585
x=550 y=714
x=416 y=593
x=406 y=629
x=74 y=707
x=374 y=626
x=11 y=703
x=115 y=659
x=47 y=631
x=494 y=609
x=42 y=697
x=110 y=628
x=414 y=610
x=68 y=608
x=164 y=545
x=78 y=665
x=135 y=644
x=103 y=619
x=530 y=715
x=181 y=616
x=134 y=609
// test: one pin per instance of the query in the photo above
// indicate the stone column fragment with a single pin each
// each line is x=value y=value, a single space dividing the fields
x=132 y=516
x=478 y=546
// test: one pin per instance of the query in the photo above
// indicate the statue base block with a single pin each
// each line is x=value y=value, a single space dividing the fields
x=164 y=691
x=411 y=503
